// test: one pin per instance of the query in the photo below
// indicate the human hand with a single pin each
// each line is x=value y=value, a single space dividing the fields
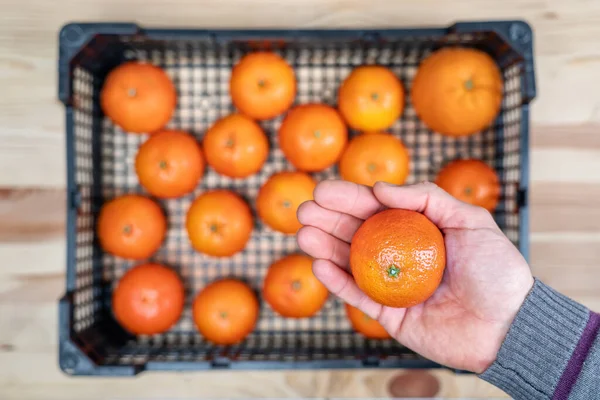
x=462 y=325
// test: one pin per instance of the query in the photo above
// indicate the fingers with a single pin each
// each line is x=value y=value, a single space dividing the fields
x=441 y=208
x=319 y=244
x=340 y=283
x=340 y=225
x=347 y=197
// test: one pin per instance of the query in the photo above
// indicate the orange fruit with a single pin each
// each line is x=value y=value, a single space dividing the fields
x=262 y=85
x=138 y=97
x=279 y=198
x=131 y=226
x=375 y=157
x=225 y=311
x=169 y=164
x=312 y=137
x=148 y=299
x=471 y=181
x=457 y=91
x=371 y=98
x=219 y=223
x=364 y=324
x=398 y=257
x=236 y=146
x=292 y=289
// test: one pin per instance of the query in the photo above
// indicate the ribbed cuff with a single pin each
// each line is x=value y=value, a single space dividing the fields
x=538 y=345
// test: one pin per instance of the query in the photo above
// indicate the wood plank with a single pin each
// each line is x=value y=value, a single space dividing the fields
x=31 y=214
x=563 y=137
x=565 y=207
x=565 y=165
x=575 y=282
x=34 y=375
x=572 y=268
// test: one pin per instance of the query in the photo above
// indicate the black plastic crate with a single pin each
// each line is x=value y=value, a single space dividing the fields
x=100 y=167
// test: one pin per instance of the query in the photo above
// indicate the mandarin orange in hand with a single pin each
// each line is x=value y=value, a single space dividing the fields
x=148 y=299
x=225 y=311
x=471 y=181
x=371 y=98
x=236 y=146
x=131 y=226
x=279 y=198
x=219 y=223
x=262 y=85
x=398 y=257
x=364 y=324
x=291 y=288
x=312 y=137
x=457 y=91
x=483 y=287
x=373 y=157
x=169 y=164
x=140 y=98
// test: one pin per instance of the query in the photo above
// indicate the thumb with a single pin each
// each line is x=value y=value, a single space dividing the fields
x=441 y=208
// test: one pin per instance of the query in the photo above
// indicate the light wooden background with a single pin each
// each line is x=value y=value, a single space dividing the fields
x=565 y=172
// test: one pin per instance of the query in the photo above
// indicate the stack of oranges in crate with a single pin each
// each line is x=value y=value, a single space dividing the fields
x=456 y=92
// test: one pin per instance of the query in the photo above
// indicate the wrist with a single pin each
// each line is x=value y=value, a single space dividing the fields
x=538 y=345
x=501 y=326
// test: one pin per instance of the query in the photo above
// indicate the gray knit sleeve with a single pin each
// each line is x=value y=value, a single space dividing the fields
x=549 y=351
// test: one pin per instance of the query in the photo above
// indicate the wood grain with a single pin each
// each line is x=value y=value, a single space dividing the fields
x=31 y=215
x=572 y=137
x=222 y=384
x=565 y=177
x=565 y=207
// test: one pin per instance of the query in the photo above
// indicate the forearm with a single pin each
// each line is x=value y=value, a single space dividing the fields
x=552 y=350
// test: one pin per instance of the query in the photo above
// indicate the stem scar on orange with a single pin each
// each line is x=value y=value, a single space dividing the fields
x=371 y=98
x=131 y=226
x=457 y=91
x=398 y=257
x=262 y=85
x=292 y=289
x=148 y=299
x=471 y=181
x=364 y=324
x=225 y=311
x=373 y=157
x=169 y=164
x=140 y=98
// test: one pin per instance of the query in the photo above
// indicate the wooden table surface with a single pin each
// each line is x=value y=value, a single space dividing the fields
x=565 y=176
